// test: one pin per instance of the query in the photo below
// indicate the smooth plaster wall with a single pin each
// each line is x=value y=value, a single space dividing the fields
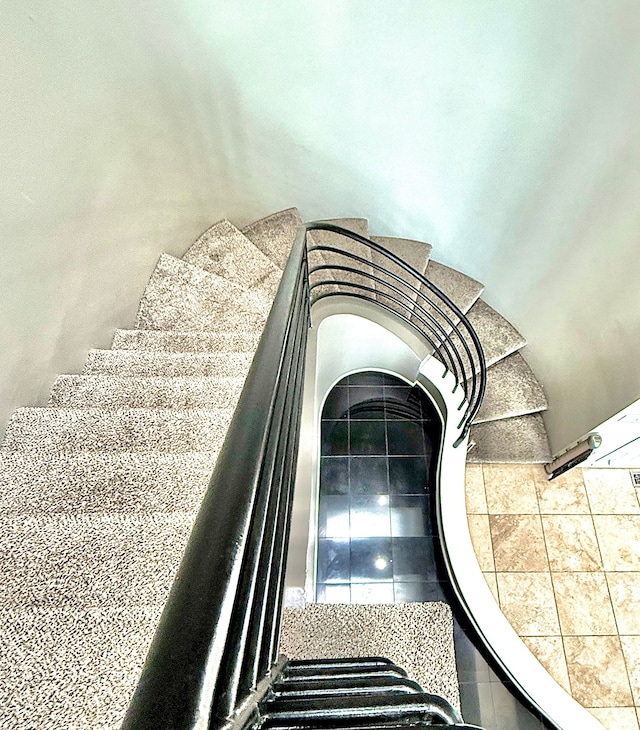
x=503 y=133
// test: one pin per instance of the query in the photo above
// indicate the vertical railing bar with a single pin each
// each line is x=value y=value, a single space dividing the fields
x=226 y=695
x=260 y=624
x=279 y=600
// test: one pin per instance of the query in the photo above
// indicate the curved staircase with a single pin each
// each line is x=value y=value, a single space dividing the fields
x=100 y=488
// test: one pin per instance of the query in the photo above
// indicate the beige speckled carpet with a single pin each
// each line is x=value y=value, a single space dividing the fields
x=416 y=636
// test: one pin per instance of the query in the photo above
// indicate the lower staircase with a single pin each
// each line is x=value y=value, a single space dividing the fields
x=99 y=490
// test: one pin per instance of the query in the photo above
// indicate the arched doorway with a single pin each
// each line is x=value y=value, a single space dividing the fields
x=380 y=441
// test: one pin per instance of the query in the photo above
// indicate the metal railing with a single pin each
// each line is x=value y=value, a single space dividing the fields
x=410 y=296
x=218 y=634
x=214 y=657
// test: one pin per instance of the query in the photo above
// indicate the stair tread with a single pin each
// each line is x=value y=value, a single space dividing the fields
x=460 y=288
x=414 y=253
x=91 y=559
x=327 y=238
x=224 y=250
x=512 y=390
x=498 y=336
x=144 y=363
x=117 y=391
x=184 y=297
x=274 y=234
x=101 y=481
x=101 y=648
x=118 y=429
x=519 y=440
x=188 y=341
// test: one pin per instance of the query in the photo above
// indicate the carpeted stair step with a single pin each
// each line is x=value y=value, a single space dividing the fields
x=71 y=667
x=89 y=560
x=143 y=363
x=327 y=238
x=498 y=336
x=99 y=482
x=274 y=235
x=184 y=297
x=122 y=429
x=226 y=251
x=406 y=633
x=461 y=289
x=520 y=440
x=512 y=390
x=415 y=253
x=173 y=341
x=114 y=391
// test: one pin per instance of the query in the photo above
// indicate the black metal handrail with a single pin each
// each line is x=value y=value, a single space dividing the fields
x=417 y=302
x=218 y=634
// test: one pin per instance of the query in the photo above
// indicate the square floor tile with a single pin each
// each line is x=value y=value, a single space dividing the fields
x=571 y=543
x=370 y=516
x=334 y=475
x=405 y=438
x=371 y=560
x=492 y=582
x=413 y=559
x=476 y=499
x=366 y=404
x=481 y=541
x=367 y=438
x=624 y=589
x=528 y=602
x=583 y=602
x=565 y=495
x=334 y=561
x=611 y=491
x=518 y=543
x=368 y=475
x=510 y=489
x=372 y=592
x=408 y=475
x=333 y=593
x=619 y=541
x=631 y=651
x=336 y=404
x=333 y=516
x=549 y=651
x=410 y=516
x=407 y=592
x=616 y=718
x=335 y=438
x=597 y=671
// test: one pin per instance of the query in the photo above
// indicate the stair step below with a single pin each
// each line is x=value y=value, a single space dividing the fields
x=172 y=341
x=498 y=336
x=461 y=289
x=89 y=560
x=124 y=429
x=414 y=253
x=274 y=235
x=520 y=440
x=99 y=482
x=327 y=238
x=184 y=297
x=142 y=363
x=111 y=391
x=512 y=390
x=224 y=250
x=72 y=667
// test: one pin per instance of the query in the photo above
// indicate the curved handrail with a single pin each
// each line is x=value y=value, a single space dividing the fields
x=459 y=347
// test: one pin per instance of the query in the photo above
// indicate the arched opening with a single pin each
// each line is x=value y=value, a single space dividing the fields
x=380 y=443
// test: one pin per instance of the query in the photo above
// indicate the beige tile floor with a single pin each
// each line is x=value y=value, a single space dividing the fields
x=562 y=559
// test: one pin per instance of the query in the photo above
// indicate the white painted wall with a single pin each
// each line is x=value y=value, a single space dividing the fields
x=504 y=133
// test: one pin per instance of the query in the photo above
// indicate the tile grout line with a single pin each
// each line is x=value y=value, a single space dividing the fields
x=604 y=571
